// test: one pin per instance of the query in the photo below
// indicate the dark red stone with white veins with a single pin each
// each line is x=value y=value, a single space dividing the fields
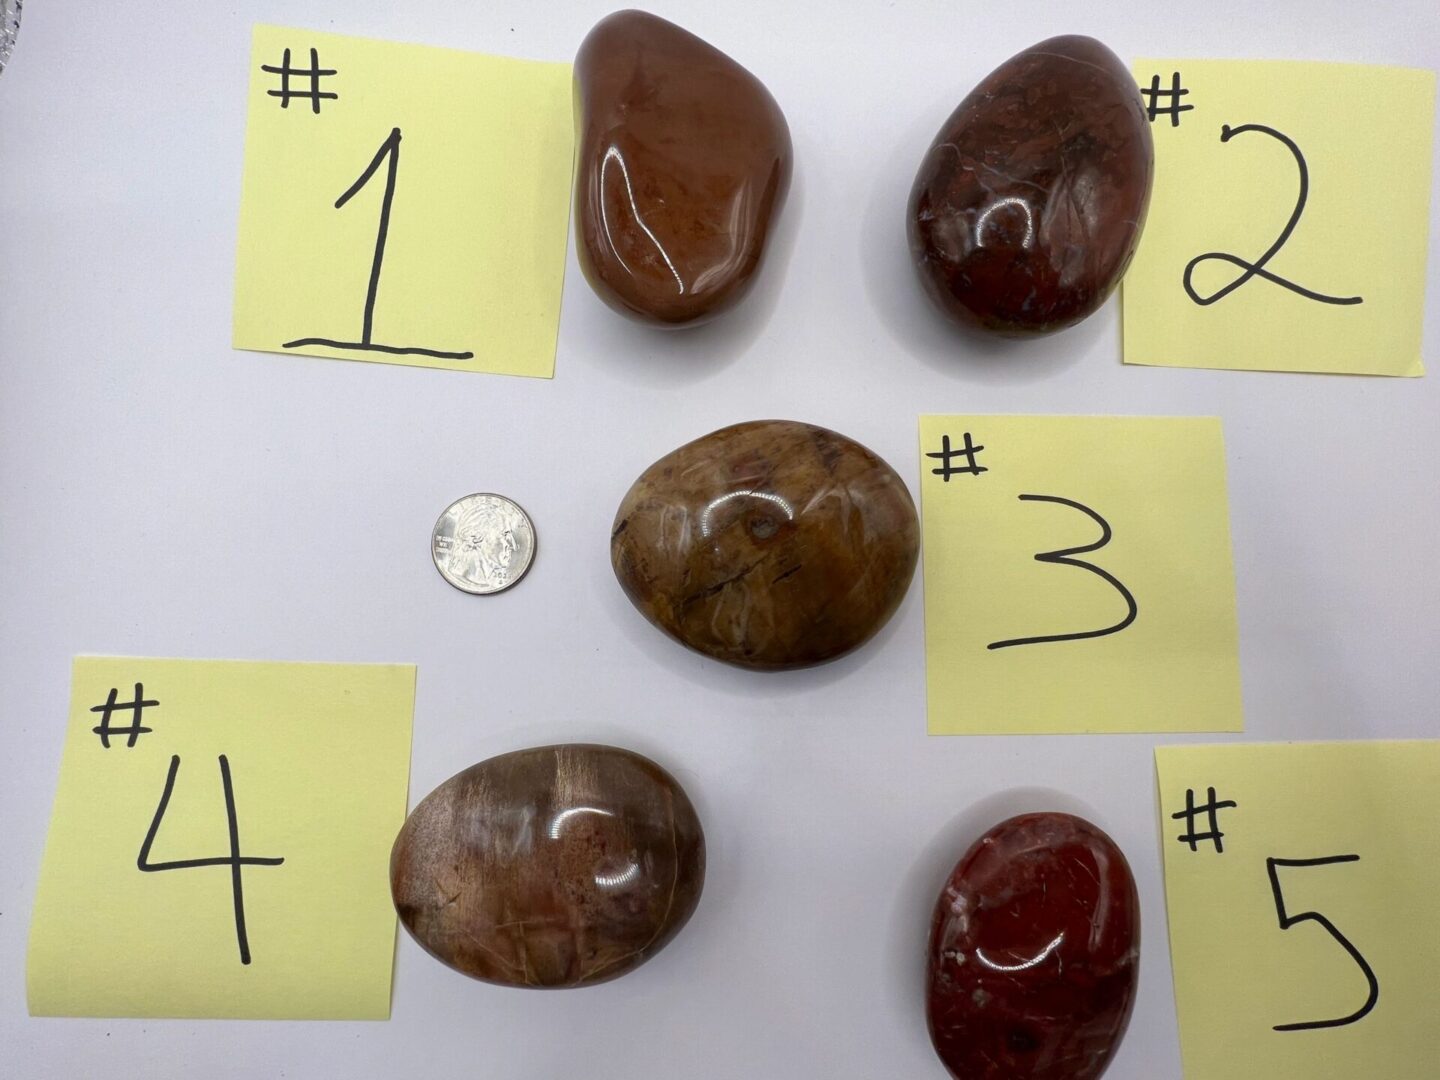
x=1029 y=204
x=1034 y=953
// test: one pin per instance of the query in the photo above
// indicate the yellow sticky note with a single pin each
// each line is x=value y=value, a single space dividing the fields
x=403 y=204
x=298 y=771
x=1078 y=575
x=1301 y=882
x=1288 y=225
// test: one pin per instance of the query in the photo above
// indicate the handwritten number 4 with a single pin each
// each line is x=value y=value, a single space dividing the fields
x=1287 y=921
x=234 y=860
x=1065 y=557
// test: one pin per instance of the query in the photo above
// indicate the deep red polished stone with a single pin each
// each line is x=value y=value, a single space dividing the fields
x=1034 y=953
x=1029 y=204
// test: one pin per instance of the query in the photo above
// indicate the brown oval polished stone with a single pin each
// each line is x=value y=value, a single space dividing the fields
x=551 y=867
x=684 y=160
x=770 y=544
x=1029 y=205
x=1034 y=953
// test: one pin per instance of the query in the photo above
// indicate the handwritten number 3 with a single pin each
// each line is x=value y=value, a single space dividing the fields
x=1064 y=557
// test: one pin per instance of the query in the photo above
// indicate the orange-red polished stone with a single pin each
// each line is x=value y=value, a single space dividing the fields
x=1029 y=204
x=684 y=161
x=770 y=544
x=1034 y=953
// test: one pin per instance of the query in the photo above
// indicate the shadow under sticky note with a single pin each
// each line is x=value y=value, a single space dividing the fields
x=1287 y=230
x=403 y=204
x=1078 y=575
x=220 y=840
x=1300 y=882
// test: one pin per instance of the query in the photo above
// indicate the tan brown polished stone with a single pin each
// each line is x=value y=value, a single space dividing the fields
x=1029 y=204
x=770 y=544
x=684 y=160
x=556 y=866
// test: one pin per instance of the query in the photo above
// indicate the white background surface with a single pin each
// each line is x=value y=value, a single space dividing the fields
x=163 y=495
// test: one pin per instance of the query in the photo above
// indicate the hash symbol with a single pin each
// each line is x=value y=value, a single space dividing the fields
x=313 y=73
x=137 y=706
x=946 y=455
x=1155 y=93
x=1212 y=807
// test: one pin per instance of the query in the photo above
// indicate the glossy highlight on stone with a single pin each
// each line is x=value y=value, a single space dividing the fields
x=1034 y=953
x=684 y=161
x=557 y=866
x=1029 y=204
x=770 y=544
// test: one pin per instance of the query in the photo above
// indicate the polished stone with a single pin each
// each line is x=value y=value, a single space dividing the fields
x=684 y=161
x=1034 y=953
x=770 y=544
x=556 y=866
x=1029 y=204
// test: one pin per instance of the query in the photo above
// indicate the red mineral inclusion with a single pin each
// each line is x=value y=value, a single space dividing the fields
x=1034 y=953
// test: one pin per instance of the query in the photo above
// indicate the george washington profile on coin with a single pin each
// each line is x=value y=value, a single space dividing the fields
x=483 y=543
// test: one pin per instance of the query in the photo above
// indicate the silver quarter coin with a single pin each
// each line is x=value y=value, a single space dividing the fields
x=9 y=28
x=483 y=543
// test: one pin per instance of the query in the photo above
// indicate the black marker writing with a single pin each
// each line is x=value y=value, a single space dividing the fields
x=137 y=706
x=234 y=860
x=1212 y=808
x=1154 y=93
x=1064 y=557
x=1257 y=268
x=389 y=153
x=314 y=73
x=1287 y=921
x=945 y=455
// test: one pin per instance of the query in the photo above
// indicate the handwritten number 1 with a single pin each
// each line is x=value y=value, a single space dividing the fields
x=389 y=152
x=1064 y=557
x=234 y=860
x=1287 y=921
x=389 y=156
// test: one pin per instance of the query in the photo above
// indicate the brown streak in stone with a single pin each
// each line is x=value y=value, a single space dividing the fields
x=719 y=586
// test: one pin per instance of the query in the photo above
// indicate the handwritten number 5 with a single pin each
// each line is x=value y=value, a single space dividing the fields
x=1287 y=921
x=1064 y=557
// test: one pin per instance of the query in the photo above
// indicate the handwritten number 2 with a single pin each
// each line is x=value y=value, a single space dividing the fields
x=1287 y=921
x=234 y=860
x=1257 y=268
x=1064 y=557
